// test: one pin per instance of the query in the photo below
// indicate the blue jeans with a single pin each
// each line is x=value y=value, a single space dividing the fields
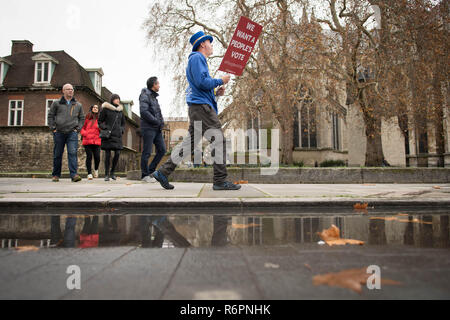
x=152 y=137
x=60 y=141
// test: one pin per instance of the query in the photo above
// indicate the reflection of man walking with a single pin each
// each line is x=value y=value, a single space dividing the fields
x=201 y=98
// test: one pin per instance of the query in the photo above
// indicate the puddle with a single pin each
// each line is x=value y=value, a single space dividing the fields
x=116 y=229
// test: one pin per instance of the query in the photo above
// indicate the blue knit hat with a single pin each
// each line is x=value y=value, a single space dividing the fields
x=198 y=38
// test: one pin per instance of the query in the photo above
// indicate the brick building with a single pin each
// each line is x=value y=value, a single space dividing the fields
x=29 y=83
x=176 y=130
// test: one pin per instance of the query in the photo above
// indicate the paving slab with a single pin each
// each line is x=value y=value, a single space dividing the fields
x=142 y=274
x=154 y=190
x=206 y=273
x=246 y=191
x=48 y=281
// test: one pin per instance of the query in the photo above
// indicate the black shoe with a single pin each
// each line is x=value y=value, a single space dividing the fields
x=106 y=178
x=113 y=176
x=162 y=179
x=226 y=186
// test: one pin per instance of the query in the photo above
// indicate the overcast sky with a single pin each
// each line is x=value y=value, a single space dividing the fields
x=97 y=33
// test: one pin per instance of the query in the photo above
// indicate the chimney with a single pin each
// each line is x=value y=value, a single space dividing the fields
x=21 y=46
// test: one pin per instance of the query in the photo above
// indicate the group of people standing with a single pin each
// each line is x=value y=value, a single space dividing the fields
x=100 y=129
x=105 y=128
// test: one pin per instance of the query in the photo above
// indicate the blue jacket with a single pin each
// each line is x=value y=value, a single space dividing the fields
x=201 y=85
x=151 y=116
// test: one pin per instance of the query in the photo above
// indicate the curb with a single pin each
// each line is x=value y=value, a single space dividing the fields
x=275 y=204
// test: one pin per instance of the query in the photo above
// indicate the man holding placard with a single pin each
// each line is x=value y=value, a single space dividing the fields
x=203 y=115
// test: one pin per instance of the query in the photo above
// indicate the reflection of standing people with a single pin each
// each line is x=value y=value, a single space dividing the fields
x=220 y=227
x=68 y=239
x=152 y=124
x=92 y=141
x=201 y=98
x=110 y=233
x=89 y=236
x=65 y=119
x=112 y=123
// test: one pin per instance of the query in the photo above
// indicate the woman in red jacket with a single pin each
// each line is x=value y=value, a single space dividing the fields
x=92 y=141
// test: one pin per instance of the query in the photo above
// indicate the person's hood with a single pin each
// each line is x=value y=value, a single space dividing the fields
x=111 y=107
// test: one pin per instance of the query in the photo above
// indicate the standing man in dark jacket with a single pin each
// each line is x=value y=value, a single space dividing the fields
x=152 y=123
x=65 y=119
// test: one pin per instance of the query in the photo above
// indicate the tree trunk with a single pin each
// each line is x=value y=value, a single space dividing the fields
x=372 y=121
x=374 y=147
x=439 y=115
x=287 y=142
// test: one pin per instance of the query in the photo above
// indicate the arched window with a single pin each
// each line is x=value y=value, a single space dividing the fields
x=308 y=125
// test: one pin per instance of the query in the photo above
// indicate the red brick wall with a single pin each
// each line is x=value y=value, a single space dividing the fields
x=34 y=113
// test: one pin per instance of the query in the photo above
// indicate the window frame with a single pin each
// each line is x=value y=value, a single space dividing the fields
x=1 y=73
x=15 y=113
x=98 y=83
x=310 y=109
x=47 y=109
x=42 y=72
x=336 y=128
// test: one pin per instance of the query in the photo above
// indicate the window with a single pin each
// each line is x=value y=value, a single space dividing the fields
x=336 y=131
x=96 y=79
x=4 y=66
x=98 y=83
x=15 y=116
x=308 y=127
x=1 y=73
x=253 y=138
x=42 y=72
x=48 y=105
x=44 y=66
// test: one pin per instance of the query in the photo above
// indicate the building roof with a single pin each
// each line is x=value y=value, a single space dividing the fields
x=68 y=70
x=106 y=94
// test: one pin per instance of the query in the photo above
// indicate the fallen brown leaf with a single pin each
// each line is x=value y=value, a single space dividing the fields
x=26 y=248
x=308 y=266
x=349 y=279
x=415 y=221
x=330 y=234
x=361 y=206
x=343 y=242
x=332 y=237
x=401 y=220
x=436 y=187
x=244 y=226
x=384 y=218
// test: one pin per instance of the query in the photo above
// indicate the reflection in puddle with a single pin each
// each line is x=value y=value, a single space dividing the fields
x=181 y=231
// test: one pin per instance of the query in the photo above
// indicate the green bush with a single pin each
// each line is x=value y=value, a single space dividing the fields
x=333 y=163
x=300 y=164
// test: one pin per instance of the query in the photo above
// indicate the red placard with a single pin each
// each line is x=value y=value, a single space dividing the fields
x=241 y=46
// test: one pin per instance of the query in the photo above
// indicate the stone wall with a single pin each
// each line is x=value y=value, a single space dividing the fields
x=30 y=149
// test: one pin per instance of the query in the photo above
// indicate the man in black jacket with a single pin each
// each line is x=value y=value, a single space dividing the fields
x=152 y=123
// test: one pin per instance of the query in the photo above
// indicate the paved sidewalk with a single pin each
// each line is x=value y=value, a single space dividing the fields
x=22 y=192
x=250 y=273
